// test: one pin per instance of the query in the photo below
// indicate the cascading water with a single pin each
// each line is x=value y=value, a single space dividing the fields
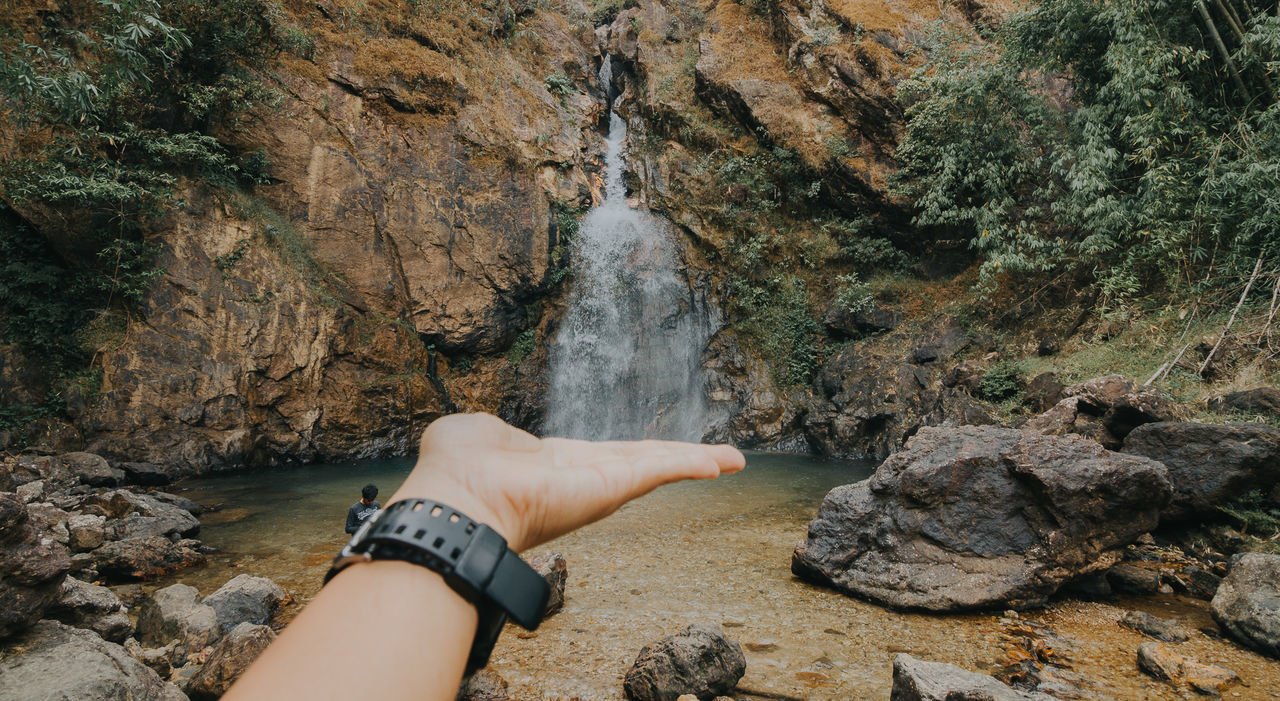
x=627 y=361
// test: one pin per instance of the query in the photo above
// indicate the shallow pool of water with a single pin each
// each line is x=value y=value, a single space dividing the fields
x=716 y=551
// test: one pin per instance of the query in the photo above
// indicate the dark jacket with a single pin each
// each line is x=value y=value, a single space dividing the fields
x=359 y=513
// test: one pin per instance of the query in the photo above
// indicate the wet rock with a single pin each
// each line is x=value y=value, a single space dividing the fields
x=555 y=569
x=32 y=567
x=1200 y=583
x=176 y=613
x=484 y=685
x=92 y=607
x=1166 y=664
x=1247 y=604
x=1158 y=628
x=747 y=406
x=149 y=517
x=1261 y=400
x=1105 y=409
x=699 y=660
x=1132 y=579
x=181 y=502
x=978 y=516
x=144 y=558
x=55 y=661
x=144 y=473
x=229 y=659
x=1209 y=464
x=245 y=599
x=1043 y=392
x=918 y=680
x=85 y=531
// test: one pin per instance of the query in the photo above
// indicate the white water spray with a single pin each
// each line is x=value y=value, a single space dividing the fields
x=627 y=361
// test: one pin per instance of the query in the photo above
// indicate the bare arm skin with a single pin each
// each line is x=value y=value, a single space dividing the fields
x=411 y=631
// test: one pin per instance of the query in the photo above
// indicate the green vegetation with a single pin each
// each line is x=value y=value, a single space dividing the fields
x=560 y=85
x=1254 y=515
x=522 y=346
x=1158 y=170
x=1002 y=381
x=112 y=106
x=567 y=223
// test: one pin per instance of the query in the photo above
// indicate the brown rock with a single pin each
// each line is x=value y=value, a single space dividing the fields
x=484 y=685
x=32 y=567
x=555 y=569
x=92 y=607
x=1158 y=628
x=1260 y=400
x=700 y=660
x=229 y=659
x=1166 y=664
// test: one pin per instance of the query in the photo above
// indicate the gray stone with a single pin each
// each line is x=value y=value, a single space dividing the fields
x=145 y=558
x=1166 y=664
x=32 y=567
x=85 y=531
x=229 y=659
x=179 y=501
x=1247 y=604
x=1260 y=400
x=1158 y=628
x=176 y=613
x=92 y=607
x=55 y=662
x=918 y=680
x=484 y=685
x=245 y=599
x=1209 y=464
x=555 y=569
x=977 y=516
x=699 y=660
x=158 y=659
x=1132 y=579
x=1105 y=409
x=31 y=491
x=144 y=473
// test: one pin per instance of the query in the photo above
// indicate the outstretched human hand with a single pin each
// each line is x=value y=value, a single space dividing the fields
x=531 y=490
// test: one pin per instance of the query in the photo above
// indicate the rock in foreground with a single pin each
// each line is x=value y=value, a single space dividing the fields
x=245 y=599
x=699 y=660
x=555 y=569
x=1247 y=604
x=918 y=680
x=32 y=566
x=229 y=660
x=978 y=516
x=92 y=607
x=54 y=661
x=1209 y=464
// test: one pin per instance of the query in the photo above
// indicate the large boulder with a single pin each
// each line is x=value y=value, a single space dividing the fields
x=232 y=656
x=699 y=660
x=145 y=558
x=1260 y=400
x=1247 y=604
x=54 y=662
x=176 y=613
x=32 y=567
x=918 y=680
x=143 y=516
x=245 y=599
x=94 y=608
x=978 y=516
x=1209 y=464
x=1105 y=409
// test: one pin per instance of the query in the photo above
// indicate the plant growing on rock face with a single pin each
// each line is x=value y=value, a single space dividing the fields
x=852 y=294
x=1254 y=514
x=559 y=85
x=1001 y=382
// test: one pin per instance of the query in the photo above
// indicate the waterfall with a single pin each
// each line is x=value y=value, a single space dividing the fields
x=626 y=363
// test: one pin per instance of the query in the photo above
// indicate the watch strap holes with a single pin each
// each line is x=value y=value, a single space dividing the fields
x=456 y=552
x=438 y=543
x=471 y=527
x=453 y=518
x=418 y=506
x=437 y=510
x=400 y=529
x=421 y=532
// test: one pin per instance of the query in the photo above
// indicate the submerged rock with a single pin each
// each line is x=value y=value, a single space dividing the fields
x=1247 y=604
x=979 y=516
x=92 y=607
x=918 y=680
x=245 y=599
x=32 y=567
x=1209 y=464
x=229 y=659
x=699 y=660
x=1166 y=664
x=55 y=661
x=1158 y=628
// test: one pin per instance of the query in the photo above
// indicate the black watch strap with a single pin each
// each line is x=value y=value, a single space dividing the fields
x=473 y=559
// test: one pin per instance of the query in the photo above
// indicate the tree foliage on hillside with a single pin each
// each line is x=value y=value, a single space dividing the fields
x=113 y=102
x=1134 y=141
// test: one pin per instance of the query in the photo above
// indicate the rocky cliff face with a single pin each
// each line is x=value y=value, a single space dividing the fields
x=403 y=257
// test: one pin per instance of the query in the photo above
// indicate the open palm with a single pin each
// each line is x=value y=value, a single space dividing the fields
x=532 y=490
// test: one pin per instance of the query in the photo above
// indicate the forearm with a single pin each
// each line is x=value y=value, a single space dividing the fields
x=389 y=625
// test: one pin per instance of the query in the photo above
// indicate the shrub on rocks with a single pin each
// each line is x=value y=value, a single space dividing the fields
x=32 y=567
x=92 y=607
x=1247 y=604
x=229 y=659
x=978 y=516
x=245 y=599
x=1209 y=464
x=699 y=660
x=55 y=661
x=918 y=680
x=176 y=613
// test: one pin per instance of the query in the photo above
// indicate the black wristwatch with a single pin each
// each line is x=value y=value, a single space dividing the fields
x=473 y=559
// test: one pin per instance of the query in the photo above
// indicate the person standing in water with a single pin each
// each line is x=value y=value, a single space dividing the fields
x=363 y=509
